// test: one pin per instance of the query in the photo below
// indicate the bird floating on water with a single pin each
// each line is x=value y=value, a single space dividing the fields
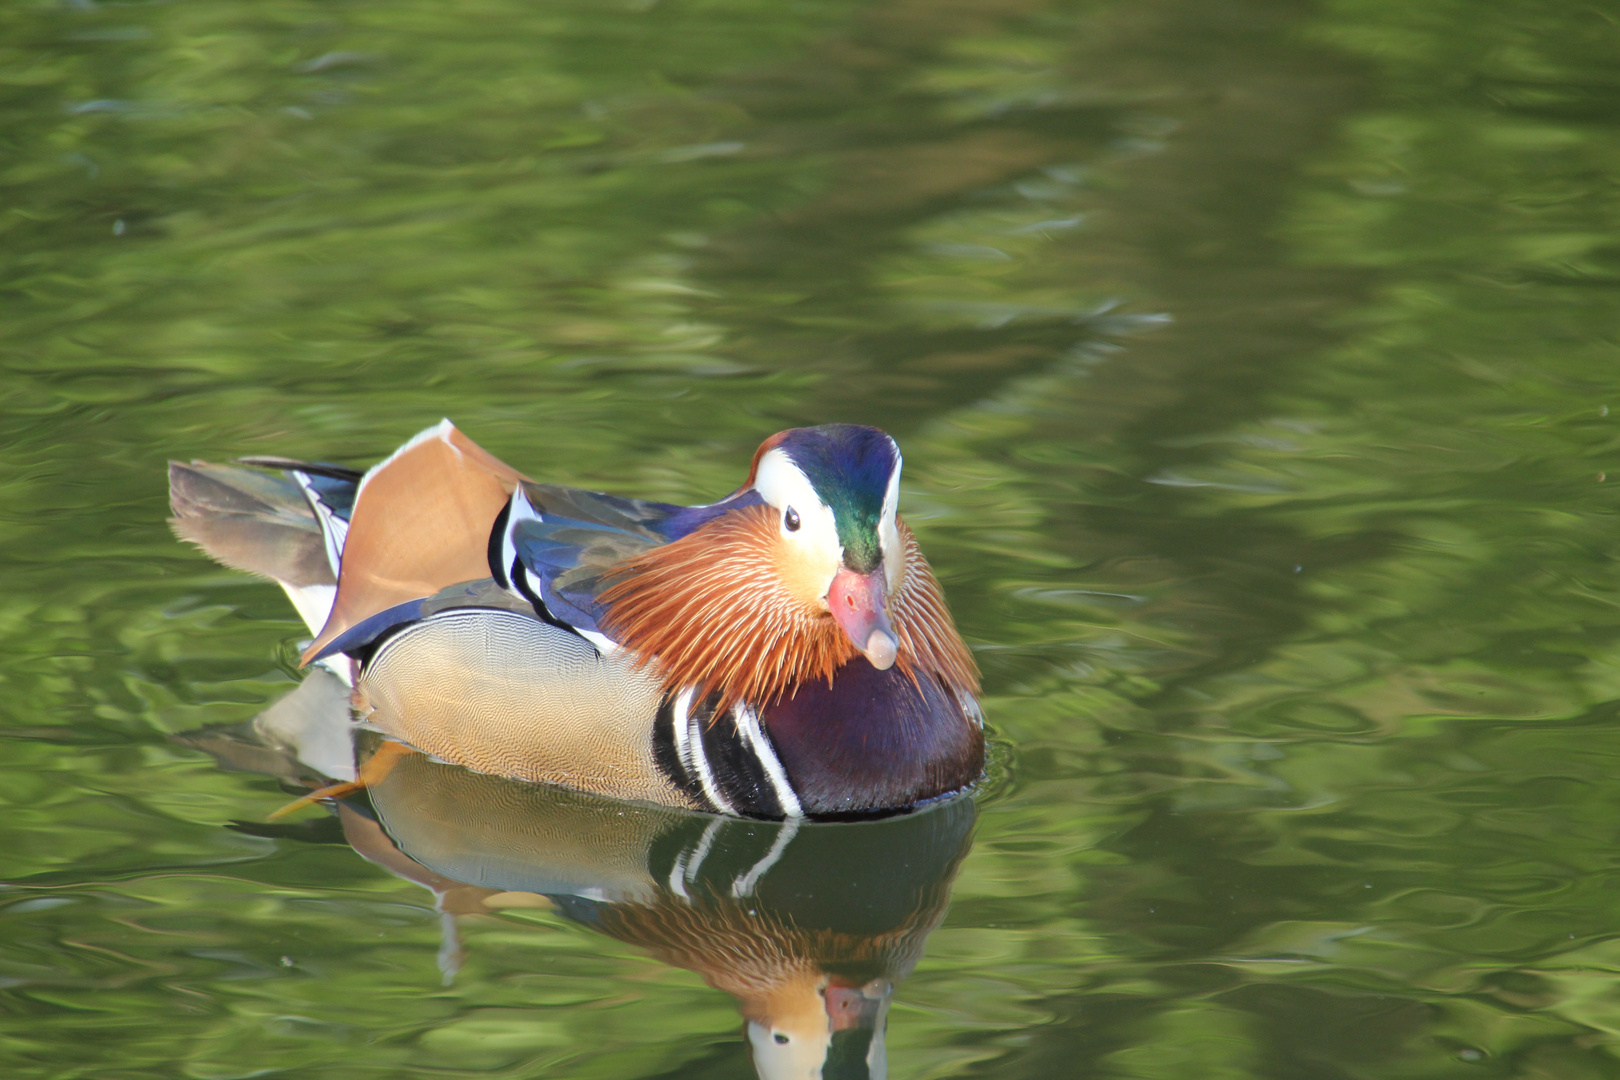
x=785 y=651
x=808 y=925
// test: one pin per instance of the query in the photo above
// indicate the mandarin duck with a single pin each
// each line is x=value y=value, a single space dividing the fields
x=783 y=652
x=807 y=925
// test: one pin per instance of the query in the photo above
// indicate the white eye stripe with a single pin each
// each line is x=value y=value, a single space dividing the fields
x=888 y=531
x=891 y=495
x=783 y=485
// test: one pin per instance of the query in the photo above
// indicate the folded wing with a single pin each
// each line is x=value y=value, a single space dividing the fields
x=421 y=522
x=560 y=547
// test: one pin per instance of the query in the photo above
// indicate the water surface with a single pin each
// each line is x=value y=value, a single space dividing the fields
x=1253 y=364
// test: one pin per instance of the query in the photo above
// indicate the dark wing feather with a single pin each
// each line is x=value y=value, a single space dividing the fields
x=329 y=489
x=560 y=546
x=657 y=521
x=249 y=520
x=639 y=517
x=360 y=638
x=566 y=561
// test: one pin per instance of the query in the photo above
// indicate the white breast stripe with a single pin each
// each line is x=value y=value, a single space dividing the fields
x=754 y=736
x=694 y=755
x=679 y=728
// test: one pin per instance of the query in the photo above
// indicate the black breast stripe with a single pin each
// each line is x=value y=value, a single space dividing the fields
x=667 y=755
x=732 y=762
x=497 y=546
x=715 y=762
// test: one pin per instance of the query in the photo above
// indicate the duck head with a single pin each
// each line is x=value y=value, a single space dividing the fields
x=805 y=568
x=836 y=490
x=819 y=1027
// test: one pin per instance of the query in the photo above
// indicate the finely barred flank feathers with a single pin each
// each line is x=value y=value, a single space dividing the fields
x=711 y=609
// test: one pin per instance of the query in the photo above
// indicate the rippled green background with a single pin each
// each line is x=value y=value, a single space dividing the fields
x=1253 y=363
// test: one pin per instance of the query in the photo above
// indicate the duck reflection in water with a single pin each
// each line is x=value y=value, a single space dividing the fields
x=808 y=925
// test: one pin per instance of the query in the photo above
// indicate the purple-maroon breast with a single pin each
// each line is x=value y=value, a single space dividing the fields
x=873 y=739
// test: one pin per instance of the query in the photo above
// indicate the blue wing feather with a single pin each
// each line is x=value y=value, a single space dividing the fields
x=368 y=630
x=568 y=559
x=565 y=543
x=687 y=519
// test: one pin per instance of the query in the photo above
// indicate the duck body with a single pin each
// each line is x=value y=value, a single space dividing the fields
x=783 y=652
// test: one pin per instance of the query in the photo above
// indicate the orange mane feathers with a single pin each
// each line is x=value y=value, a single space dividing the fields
x=928 y=636
x=712 y=609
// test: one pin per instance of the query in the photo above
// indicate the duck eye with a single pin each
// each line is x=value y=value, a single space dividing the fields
x=790 y=520
x=781 y=1039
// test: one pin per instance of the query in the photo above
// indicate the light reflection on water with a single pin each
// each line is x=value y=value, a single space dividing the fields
x=1253 y=366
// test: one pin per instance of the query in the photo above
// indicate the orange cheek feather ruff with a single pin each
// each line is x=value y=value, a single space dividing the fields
x=727 y=609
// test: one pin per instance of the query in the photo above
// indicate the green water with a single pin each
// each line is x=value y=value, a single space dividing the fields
x=1253 y=363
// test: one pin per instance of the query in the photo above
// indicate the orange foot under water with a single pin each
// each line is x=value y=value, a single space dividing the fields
x=372 y=771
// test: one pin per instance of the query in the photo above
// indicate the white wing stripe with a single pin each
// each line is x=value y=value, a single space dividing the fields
x=521 y=509
x=334 y=530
